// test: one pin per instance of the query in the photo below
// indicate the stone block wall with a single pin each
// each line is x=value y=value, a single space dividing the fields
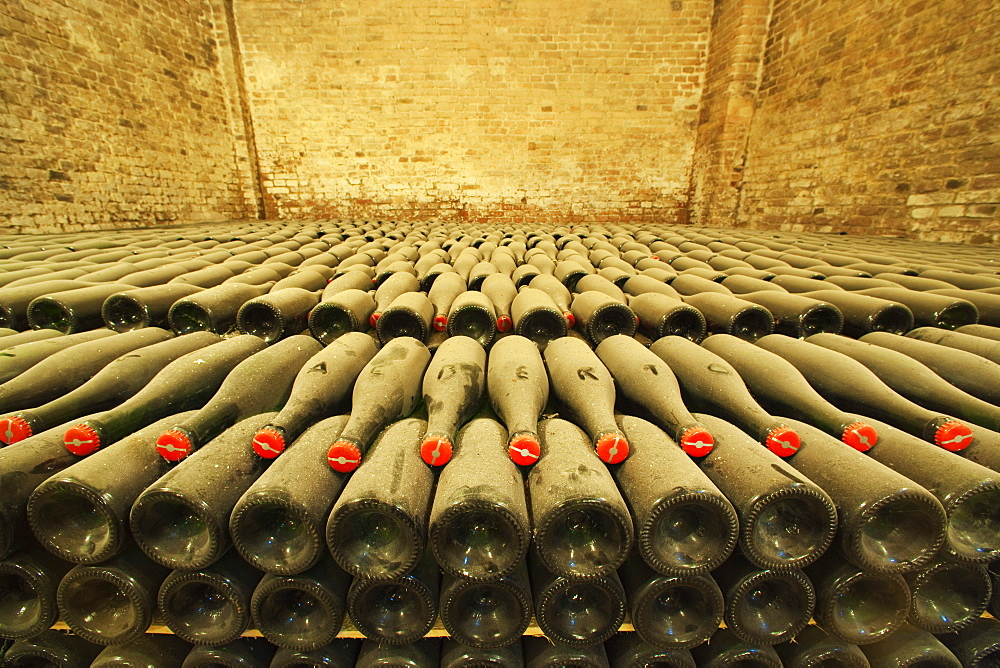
x=118 y=113
x=500 y=110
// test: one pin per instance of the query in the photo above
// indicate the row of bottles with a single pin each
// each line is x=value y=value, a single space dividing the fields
x=976 y=647
x=535 y=284
x=777 y=494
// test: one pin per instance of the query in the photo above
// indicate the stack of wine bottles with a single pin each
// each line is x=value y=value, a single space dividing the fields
x=650 y=445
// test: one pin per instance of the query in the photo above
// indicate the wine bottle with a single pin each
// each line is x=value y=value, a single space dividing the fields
x=15 y=338
x=211 y=605
x=456 y=655
x=764 y=607
x=143 y=307
x=388 y=388
x=864 y=313
x=442 y=294
x=479 y=273
x=160 y=650
x=948 y=596
x=519 y=389
x=628 y=650
x=408 y=315
x=116 y=382
x=576 y=611
x=646 y=380
x=601 y=316
x=965 y=489
x=978 y=645
x=346 y=311
x=212 y=310
x=779 y=386
x=418 y=654
x=278 y=523
x=967 y=371
x=277 y=314
x=913 y=380
x=51 y=648
x=856 y=605
x=638 y=285
x=709 y=381
x=786 y=520
x=910 y=647
x=306 y=279
x=113 y=602
x=28 y=582
x=473 y=315
x=394 y=286
x=692 y=284
x=399 y=610
x=240 y=653
x=930 y=310
x=340 y=653
x=17 y=359
x=888 y=523
x=479 y=524
x=258 y=276
x=984 y=331
x=582 y=526
x=14 y=300
x=813 y=648
x=208 y=277
x=489 y=614
x=798 y=316
x=501 y=292
x=181 y=520
x=186 y=383
x=81 y=513
x=452 y=387
x=685 y=526
x=349 y=280
x=301 y=612
x=837 y=377
x=731 y=315
x=558 y=291
x=320 y=384
x=672 y=611
x=239 y=395
x=377 y=526
x=585 y=386
x=71 y=367
x=660 y=315
x=535 y=316
x=541 y=653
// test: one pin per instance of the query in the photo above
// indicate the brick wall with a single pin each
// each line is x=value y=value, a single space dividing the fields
x=116 y=113
x=878 y=117
x=501 y=110
x=739 y=31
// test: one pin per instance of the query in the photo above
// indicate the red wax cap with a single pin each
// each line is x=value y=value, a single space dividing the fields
x=782 y=441
x=524 y=449
x=504 y=323
x=82 y=439
x=570 y=319
x=697 y=442
x=13 y=429
x=436 y=450
x=440 y=322
x=173 y=445
x=344 y=456
x=861 y=436
x=612 y=448
x=268 y=443
x=654 y=257
x=953 y=436
x=373 y=318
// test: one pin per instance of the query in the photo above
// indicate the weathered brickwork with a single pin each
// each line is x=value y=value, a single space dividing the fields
x=117 y=113
x=739 y=31
x=501 y=110
x=878 y=117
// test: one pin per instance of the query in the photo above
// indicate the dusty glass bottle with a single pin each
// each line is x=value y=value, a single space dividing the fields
x=479 y=524
x=377 y=526
x=488 y=614
x=518 y=386
x=399 y=610
x=319 y=385
x=582 y=526
x=452 y=388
